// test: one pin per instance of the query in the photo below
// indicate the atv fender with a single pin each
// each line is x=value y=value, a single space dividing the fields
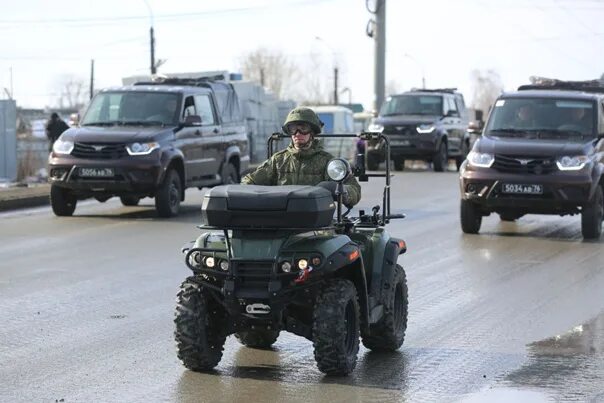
x=393 y=249
x=347 y=263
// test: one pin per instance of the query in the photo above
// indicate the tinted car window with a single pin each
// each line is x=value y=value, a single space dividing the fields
x=413 y=105
x=205 y=110
x=133 y=107
x=540 y=117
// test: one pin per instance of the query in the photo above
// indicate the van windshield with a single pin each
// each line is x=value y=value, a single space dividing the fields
x=542 y=118
x=413 y=104
x=133 y=108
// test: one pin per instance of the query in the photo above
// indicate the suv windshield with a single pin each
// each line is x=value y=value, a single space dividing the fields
x=542 y=118
x=413 y=105
x=133 y=108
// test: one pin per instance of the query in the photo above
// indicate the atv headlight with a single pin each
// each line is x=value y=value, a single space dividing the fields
x=375 y=127
x=141 y=148
x=62 y=146
x=209 y=261
x=575 y=163
x=482 y=160
x=425 y=129
x=224 y=265
x=338 y=169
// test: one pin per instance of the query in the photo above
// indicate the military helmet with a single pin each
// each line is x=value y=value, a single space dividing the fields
x=306 y=115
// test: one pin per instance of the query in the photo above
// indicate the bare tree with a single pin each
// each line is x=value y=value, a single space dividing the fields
x=73 y=92
x=393 y=87
x=486 y=87
x=271 y=68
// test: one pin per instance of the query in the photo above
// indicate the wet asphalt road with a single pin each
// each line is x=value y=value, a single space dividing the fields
x=515 y=313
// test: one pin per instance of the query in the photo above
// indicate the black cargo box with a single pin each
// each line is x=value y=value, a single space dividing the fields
x=251 y=206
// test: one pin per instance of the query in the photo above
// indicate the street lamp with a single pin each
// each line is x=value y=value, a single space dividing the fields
x=335 y=70
x=421 y=66
x=151 y=39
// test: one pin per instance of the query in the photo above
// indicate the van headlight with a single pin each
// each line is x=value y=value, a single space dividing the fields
x=482 y=160
x=141 y=148
x=375 y=127
x=572 y=163
x=62 y=146
x=425 y=129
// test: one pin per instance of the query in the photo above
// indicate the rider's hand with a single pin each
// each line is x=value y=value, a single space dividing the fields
x=329 y=185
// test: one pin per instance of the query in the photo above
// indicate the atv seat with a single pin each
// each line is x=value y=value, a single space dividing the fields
x=252 y=206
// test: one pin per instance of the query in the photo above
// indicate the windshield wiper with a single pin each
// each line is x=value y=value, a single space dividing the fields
x=559 y=133
x=103 y=123
x=509 y=130
x=143 y=123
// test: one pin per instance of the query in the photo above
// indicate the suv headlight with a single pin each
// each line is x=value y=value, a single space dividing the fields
x=425 y=129
x=482 y=160
x=375 y=127
x=575 y=163
x=141 y=148
x=62 y=146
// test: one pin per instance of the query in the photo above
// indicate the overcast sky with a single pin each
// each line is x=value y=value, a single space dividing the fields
x=441 y=39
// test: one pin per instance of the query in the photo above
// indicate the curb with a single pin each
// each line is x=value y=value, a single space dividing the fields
x=18 y=198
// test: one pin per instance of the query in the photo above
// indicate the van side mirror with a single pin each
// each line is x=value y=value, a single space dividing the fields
x=192 y=120
x=451 y=113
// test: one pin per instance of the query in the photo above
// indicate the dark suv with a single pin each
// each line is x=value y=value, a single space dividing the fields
x=541 y=153
x=428 y=125
x=150 y=139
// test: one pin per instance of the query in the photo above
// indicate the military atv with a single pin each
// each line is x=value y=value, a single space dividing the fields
x=274 y=259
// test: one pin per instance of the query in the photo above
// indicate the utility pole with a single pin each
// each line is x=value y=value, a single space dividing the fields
x=335 y=85
x=91 y=78
x=380 y=52
x=152 y=44
x=262 y=77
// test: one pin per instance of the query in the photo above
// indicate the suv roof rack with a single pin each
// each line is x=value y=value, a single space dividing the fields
x=448 y=90
x=195 y=82
x=542 y=83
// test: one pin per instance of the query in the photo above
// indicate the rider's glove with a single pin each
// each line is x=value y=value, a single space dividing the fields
x=329 y=185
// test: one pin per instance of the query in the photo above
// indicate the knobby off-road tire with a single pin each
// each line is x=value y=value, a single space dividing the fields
x=471 y=219
x=167 y=197
x=129 y=200
x=230 y=175
x=262 y=339
x=336 y=328
x=389 y=333
x=591 y=216
x=199 y=323
x=62 y=201
x=440 y=160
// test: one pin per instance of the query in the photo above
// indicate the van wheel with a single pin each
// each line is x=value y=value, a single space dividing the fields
x=167 y=197
x=399 y=164
x=130 y=200
x=262 y=339
x=591 y=216
x=372 y=162
x=230 y=175
x=441 y=160
x=62 y=201
x=471 y=219
x=199 y=323
x=336 y=328
x=389 y=333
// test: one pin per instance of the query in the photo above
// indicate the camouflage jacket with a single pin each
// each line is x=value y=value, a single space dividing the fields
x=300 y=167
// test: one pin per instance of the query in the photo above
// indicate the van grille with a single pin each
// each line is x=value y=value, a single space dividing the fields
x=99 y=151
x=524 y=165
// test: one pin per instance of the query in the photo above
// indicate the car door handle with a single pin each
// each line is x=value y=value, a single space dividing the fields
x=216 y=131
x=197 y=132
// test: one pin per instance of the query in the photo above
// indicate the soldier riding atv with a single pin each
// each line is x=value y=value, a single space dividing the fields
x=274 y=259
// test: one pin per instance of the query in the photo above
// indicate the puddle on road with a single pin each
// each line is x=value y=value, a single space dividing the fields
x=570 y=365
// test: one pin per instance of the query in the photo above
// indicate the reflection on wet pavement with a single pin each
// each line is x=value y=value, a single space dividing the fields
x=571 y=364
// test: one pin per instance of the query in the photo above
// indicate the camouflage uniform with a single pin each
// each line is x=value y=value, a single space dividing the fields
x=301 y=167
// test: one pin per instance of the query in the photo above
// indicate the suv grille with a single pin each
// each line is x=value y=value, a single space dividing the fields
x=408 y=130
x=524 y=165
x=99 y=151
